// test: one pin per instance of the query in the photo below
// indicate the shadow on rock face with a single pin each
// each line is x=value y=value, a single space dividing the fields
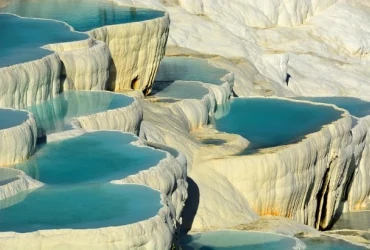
x=191 y=206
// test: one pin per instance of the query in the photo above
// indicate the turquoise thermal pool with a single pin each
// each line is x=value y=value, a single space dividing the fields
x=328 y=243
x=188 y=69
x=354 y=106
x=180 y=90
x=99 y=156
x=79 y=207
x=77 y=193
x=55 y=115
x=178 y=77
x=22 y=38
x=11 y=118
x=268 y=122
x=235 y=240
x=82 y=15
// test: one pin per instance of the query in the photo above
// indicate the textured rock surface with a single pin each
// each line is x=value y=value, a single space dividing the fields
x=136 y=50
x=18 y=143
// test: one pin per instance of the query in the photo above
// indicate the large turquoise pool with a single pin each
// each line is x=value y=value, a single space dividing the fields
x=100 y=156
x=55 y=115
x=80 y=207
x=235 y=240
x=82 y=15
x=21 y=38
x=355 y=106
x=11 y=118
x=268 y=122
x=77 y=192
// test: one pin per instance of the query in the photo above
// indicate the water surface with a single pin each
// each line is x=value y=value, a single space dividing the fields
x=11 y=118
x=82 y=15
x=22 y=38
x=234 y=240
x=354 y=106
x=92 y=157
x=188 y=69
x=268 y=122
x=79 y=207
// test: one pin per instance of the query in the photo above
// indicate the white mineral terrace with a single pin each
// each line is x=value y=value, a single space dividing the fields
x=167 y=77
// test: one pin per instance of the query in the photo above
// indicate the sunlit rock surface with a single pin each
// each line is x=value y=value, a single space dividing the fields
x=18 y=134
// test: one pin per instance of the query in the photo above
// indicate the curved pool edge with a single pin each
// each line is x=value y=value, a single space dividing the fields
x=126 y=119
x=294 y=165
x=154 y=233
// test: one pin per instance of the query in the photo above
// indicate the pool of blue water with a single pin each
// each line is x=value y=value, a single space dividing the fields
x=234 y=240
x=188 y=69
x=77 y=192
x=268 y=122
x=354 y=106
x=327 y=243
x=82 y=15
x=55 y=115
x=92 y=157
x=21 y=38
x=11 y=118
x=80 y=207
x=180 y=90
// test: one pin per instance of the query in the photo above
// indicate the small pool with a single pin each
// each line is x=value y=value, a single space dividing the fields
x=22 y=38
x=55 y=115
x=268 y=122
x=354 y=106
x=11 y=118
x=234 y=240
x=82 y=15
x=180 y=90
x=80 y=207
x=188 y=69
x=92 y=157
x=353 y=220
x=328 y=243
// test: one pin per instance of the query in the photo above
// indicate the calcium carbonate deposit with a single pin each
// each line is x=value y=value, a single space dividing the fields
x=184 y=124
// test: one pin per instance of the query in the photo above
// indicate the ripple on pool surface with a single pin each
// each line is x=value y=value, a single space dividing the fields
x=82 y=15
x=11 y=118
x=355 y=106
x=234 y=240
x=80 y=207
x=21 y=38
x=92 y=157
x=268 y=122
x=55 y=115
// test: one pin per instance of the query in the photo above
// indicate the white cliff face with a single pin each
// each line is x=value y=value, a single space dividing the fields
x=29 y=83
x=85 y=64
x=136 y=50
x=18 y=143
x=359 y=187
